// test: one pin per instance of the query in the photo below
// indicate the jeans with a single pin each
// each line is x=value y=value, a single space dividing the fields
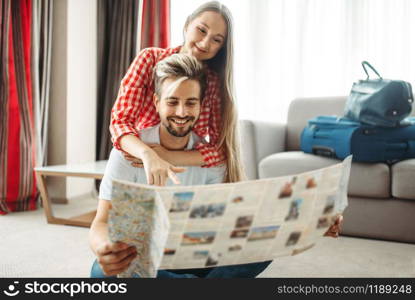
x=235 y=271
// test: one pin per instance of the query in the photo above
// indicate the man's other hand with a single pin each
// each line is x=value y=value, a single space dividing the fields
x=335 y=229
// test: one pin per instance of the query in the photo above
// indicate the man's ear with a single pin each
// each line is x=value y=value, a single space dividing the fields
x=156 y=101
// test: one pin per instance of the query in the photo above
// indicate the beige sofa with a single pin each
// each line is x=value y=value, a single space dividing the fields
x=381 y=196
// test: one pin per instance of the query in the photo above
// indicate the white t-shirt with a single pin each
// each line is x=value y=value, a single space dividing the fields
x=120 y=168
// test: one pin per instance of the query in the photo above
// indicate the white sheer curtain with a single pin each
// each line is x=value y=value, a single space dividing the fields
x=304 y=48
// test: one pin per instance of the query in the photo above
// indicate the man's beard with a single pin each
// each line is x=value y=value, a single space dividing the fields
x=173 y=131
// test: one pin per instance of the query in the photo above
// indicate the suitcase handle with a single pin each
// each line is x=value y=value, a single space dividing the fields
x=364 y=64
x=397 y=147
x=324 y=151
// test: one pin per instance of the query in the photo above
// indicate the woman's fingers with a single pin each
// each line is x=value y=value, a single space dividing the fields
x=137 y=165
x=129 y=157
x=132 y=158
x=135 y=162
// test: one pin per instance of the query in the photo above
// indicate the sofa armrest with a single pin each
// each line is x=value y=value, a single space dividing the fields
x=269 y=138
x=248 y=148
x=258 y=140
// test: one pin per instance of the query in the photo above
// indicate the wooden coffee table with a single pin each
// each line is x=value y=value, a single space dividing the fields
x=88 y=170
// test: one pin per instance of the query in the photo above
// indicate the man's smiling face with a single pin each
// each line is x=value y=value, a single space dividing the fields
x=179 y=108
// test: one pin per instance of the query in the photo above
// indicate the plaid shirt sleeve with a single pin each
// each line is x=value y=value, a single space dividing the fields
x=209 y=124
x=130 y=105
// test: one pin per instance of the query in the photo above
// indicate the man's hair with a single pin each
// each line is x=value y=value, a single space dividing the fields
x=182 y=67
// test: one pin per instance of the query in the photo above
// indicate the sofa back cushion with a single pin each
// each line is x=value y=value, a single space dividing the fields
x=303 y=109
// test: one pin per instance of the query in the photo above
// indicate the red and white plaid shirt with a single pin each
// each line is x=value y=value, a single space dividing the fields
x=134 y=108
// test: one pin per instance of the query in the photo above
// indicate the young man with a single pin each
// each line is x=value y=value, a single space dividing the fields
x=179 y=87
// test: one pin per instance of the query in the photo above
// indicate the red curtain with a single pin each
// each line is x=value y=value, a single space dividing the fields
x=17 y=149
x=155 y=25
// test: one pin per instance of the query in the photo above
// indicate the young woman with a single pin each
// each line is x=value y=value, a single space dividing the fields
x=208 y=37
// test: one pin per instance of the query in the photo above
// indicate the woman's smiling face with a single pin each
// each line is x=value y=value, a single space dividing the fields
x=205 y=35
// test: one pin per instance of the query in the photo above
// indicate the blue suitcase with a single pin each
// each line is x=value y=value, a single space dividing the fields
x=339 y=137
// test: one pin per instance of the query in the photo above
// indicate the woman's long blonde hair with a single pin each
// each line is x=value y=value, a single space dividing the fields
x=222 y=63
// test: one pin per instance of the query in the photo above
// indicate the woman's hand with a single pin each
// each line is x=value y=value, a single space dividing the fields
x=158 y=170
x=334 y=229
x=162 y=152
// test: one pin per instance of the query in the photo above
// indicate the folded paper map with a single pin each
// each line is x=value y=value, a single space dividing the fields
x=224 y=224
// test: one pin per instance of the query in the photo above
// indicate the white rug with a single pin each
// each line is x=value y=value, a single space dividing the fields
x=32 y=248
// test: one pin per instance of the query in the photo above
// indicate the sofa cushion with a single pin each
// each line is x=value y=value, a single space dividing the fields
x=366 y=179
x=403 y=179
x=387 y=219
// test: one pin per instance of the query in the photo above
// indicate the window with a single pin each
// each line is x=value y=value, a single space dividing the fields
x=308 y=48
